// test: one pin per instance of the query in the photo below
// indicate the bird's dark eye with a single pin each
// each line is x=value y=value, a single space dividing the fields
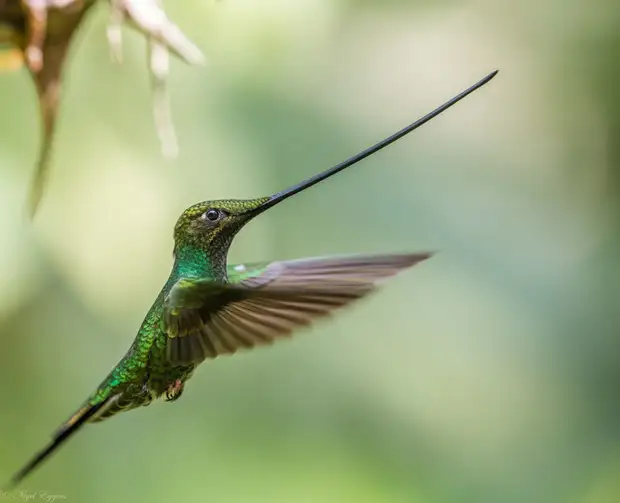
x=212 y=215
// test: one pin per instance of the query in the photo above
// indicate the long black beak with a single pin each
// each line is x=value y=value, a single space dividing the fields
x=281 y=196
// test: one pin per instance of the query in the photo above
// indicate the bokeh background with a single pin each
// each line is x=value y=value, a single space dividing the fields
x=489 y=374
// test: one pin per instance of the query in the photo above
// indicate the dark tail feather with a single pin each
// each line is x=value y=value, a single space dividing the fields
x=82 y=417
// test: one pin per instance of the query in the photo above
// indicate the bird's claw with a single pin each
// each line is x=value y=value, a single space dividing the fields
x=174 y=391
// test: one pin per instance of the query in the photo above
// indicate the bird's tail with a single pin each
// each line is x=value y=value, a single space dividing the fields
x=67 y=430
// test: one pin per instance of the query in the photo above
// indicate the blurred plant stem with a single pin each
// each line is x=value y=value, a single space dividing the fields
x=40 y=34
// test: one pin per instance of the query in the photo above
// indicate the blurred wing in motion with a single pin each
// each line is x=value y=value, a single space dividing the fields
x=265 y=302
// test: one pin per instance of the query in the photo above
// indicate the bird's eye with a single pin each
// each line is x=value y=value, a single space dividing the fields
x=212 y=215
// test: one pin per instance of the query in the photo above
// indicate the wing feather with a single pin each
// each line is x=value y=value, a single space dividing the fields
x=266 y=302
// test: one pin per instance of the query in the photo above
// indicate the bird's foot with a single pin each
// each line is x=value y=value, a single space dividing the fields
x=174 y=391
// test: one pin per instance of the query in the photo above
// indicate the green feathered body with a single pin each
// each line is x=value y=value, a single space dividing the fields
x=144 y=373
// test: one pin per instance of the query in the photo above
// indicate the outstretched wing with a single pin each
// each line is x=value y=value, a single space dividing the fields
x=205 y=319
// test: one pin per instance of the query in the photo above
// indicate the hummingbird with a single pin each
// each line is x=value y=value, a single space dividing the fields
x=208 y=308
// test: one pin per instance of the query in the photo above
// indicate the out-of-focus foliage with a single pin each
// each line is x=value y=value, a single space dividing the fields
x=40 y=32
x=490 y=374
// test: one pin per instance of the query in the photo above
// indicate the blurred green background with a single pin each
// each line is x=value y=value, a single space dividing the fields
x=489 y=374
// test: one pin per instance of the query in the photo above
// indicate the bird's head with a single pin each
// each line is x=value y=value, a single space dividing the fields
x=215 y=223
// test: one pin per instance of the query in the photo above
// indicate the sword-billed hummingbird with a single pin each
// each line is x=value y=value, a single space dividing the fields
x=208 y=308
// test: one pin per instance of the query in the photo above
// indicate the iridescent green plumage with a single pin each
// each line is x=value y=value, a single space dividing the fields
x=208 y=308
